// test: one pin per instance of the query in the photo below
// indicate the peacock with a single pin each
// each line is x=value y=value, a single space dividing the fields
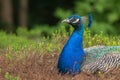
x=74 y=59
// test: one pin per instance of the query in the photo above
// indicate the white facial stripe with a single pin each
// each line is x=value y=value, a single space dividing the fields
x=71 y=18
x=76 y=21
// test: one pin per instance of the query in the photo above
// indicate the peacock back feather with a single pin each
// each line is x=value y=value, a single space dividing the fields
x=95 y=52
x=101 y=58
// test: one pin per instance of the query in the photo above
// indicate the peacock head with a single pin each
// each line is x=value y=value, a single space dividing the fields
x=76 y=20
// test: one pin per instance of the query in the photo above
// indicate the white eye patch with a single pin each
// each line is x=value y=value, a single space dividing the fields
x=76 y=21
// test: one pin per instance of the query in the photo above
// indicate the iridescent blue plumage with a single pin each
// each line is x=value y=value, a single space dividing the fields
x=72 y=55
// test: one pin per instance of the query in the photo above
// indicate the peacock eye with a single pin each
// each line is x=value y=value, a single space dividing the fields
x=75 y=20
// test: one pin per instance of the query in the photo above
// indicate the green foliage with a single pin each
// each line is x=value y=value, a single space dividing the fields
x=104 y=27
x=37 y=32
x=22 y=41
x=100 y=39
x=10 y=77
x=106 y=16
x=23 y=44
x=61 y=14
x=14 y=41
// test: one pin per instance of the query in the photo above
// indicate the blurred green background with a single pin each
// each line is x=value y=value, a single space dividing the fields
x=42 y=17
x=31 y=28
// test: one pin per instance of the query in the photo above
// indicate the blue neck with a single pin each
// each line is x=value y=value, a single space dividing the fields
x=79 y=29
x=72 y=55
x=76 y=39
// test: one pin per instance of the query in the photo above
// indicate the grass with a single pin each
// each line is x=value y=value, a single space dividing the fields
x=24 y=58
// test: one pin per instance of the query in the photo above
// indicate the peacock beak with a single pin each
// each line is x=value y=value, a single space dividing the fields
x=66 y=21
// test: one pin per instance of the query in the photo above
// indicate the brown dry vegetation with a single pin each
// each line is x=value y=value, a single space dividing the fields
x=43 y=67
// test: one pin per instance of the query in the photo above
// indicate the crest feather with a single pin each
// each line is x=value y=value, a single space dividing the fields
x=87 y=20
